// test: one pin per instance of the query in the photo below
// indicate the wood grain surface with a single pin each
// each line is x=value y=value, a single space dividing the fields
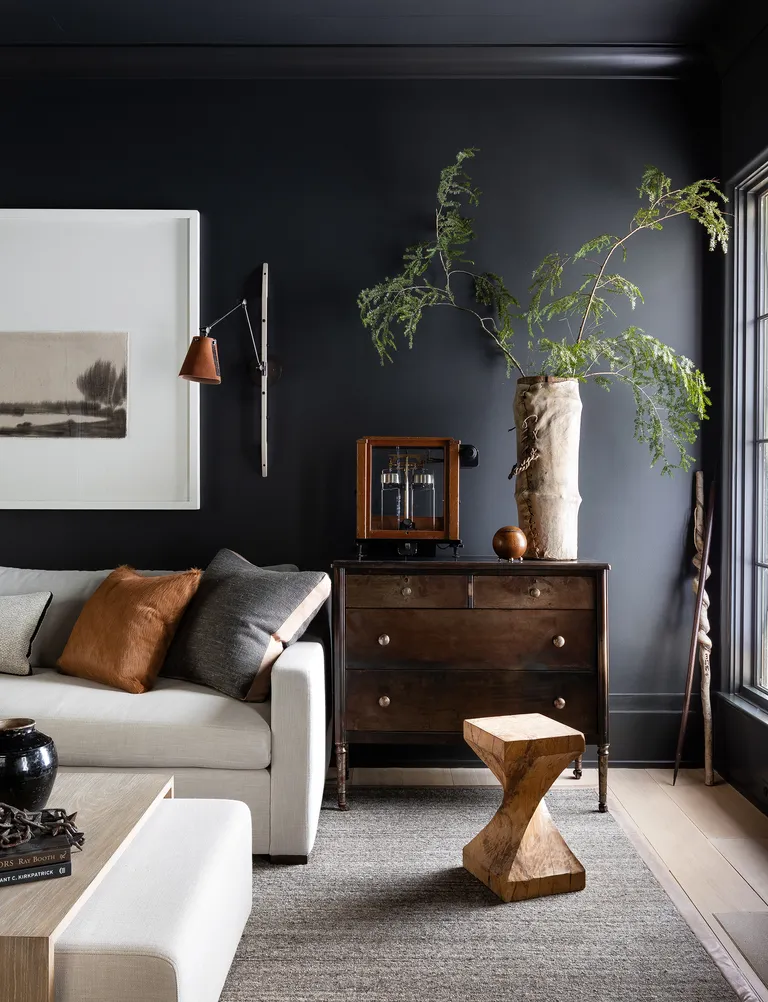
x=110 y=810
x=497 y=638
x=441 y=699
x=403 y=591
x=26 y=968
x=443 y=640
x=520 y=853
x=462 y=565
x=545 y=591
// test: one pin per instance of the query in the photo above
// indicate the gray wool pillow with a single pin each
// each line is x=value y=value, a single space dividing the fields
x=20 y=619
x=239 y=623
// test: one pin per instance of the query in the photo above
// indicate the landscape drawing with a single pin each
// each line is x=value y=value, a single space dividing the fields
x=63 y=385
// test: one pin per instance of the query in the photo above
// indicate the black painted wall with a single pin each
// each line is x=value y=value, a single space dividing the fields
x=328 y=181
x=744 y=102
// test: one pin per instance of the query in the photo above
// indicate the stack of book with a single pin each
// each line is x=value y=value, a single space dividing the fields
x=40 y=859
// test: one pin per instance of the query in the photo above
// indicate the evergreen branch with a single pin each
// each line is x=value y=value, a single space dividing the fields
x=598 y=277
x=399 y=302
x=671 y=395
x=697 y=200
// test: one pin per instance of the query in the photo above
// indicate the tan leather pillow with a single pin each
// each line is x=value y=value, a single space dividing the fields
x=123 y=633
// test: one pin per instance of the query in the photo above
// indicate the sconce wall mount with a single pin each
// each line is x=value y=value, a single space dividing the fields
x=201 y=363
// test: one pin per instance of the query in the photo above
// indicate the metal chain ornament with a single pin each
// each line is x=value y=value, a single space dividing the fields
x=18 y=827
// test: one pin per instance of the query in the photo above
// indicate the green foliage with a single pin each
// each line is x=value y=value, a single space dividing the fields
x=669 y=391
x=398 y=303
x=699 y=201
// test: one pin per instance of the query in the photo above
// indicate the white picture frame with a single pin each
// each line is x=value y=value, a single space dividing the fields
x=135 y=271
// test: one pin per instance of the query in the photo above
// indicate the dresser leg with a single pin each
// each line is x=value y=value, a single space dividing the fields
x=577 y=767
x=602 y=777
x=341 y=775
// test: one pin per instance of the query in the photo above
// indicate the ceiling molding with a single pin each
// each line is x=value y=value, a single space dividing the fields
x=243 y=62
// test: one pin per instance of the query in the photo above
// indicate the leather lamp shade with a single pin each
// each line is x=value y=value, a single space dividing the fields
x=201 y=364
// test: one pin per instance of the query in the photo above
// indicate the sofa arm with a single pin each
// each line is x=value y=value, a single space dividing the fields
x=300 y=750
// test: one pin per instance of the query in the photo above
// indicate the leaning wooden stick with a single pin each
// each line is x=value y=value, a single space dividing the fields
x=695 y=634
x=705 y=641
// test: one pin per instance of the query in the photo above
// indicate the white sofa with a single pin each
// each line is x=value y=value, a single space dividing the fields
x=273 y=755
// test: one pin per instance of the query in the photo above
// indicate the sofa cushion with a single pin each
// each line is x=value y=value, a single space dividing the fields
x=239 y=623
x=175 y=725
x=126 y=627
x=20 y=619
x=71 y=590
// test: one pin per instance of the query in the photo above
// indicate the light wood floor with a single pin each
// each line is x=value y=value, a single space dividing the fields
x=709 y=843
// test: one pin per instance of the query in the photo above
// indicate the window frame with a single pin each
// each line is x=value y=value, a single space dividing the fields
x=746 y=390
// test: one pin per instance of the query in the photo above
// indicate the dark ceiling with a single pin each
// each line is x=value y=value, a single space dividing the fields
x=355 y=22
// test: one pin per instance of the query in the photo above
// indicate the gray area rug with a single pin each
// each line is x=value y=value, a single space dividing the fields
x=384 y=912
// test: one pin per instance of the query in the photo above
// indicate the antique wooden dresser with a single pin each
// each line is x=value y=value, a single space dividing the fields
x=421 y=645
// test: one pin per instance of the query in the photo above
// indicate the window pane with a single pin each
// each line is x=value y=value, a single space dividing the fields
x=761 y=412
x=760 y=670
x=761 y=664
x=762 y=276
x=761 y=481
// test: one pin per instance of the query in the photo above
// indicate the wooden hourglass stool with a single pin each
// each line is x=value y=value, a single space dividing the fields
x=520 y=853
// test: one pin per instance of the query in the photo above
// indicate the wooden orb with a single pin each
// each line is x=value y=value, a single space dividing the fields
x=509 y=543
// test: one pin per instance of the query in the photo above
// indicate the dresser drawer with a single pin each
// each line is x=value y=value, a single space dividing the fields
x=533 y=592
x=402 y=591
x=440 y=700
x=468 y=637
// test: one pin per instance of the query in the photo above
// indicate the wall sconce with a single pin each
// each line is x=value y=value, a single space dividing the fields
x=201 y=364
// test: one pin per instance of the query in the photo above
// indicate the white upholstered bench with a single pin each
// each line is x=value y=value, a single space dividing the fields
x=164 y=924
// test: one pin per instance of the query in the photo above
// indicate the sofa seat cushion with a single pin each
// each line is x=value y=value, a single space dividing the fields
x=175 y=725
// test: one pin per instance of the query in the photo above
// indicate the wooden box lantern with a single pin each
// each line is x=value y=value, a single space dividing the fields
x=408 y=494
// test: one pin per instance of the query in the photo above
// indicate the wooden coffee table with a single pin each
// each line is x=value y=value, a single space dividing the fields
x=520 y=853
x=111 y=807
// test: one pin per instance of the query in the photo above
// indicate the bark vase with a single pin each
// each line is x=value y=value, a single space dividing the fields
x=548 y=424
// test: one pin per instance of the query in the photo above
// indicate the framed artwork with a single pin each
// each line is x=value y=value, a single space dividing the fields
x=97 y=308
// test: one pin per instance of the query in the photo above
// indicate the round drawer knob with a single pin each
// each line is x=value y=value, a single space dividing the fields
x=557 y=641
x=559 y=703
x=384 y=639
x=406 y=592
x=384 y=701
x=534 y=592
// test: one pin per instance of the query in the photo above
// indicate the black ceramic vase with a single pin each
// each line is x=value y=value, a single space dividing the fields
x=28 y=763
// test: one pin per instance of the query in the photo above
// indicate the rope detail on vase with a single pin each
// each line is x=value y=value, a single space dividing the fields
x=531 y=452
x=530 y=455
